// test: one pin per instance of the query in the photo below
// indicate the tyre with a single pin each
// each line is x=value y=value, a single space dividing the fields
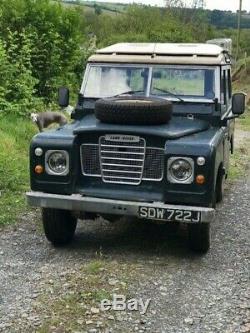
x=220 y=185
x=59 y=225
x=199 y=237
x=133 y=110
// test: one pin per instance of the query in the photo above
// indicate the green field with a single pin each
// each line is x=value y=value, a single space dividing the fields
x=105 y=7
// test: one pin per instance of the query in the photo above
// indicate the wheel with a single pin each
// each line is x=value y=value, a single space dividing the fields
x=59 y=225
x=133 y=110
x=220 y=184
x=199 y=237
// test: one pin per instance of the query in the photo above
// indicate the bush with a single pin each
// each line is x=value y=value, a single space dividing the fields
x=40 y=48
x=17 y=83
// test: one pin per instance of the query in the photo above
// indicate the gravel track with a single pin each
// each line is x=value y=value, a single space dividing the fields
x=189 y=293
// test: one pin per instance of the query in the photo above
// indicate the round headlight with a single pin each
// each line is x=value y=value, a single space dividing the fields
x=181 y=169
x=57 y=162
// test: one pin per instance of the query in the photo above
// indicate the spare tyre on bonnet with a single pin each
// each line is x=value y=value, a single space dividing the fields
x=134 y=110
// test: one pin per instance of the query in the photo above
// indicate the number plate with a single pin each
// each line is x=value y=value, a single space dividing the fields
x=167 y=214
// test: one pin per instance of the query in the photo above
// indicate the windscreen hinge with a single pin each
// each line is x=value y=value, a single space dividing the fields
x=190 y=116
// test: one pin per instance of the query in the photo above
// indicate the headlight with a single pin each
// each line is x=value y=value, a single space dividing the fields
x=180 y=170
x=57 y=162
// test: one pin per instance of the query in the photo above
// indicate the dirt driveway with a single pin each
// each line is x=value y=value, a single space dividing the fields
x=59 y=290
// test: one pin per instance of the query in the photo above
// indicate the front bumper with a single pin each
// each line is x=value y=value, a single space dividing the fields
x=77 y=202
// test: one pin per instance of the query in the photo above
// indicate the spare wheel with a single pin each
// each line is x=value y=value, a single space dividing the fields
x=134 y=110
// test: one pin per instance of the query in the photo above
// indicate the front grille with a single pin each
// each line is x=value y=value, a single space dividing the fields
x=122 y=162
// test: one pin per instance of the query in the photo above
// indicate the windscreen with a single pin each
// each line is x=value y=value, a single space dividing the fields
x=170 y=82
x=183 y=82
x=107 y=81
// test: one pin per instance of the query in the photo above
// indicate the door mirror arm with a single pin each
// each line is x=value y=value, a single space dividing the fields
x=232 y=117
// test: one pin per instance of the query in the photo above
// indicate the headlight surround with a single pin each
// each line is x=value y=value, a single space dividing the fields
x=57 y=162
x=180 y=170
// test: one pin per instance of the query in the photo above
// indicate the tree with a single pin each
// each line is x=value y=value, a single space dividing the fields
x=185 y=3
x=98 y=9
x=57 y=37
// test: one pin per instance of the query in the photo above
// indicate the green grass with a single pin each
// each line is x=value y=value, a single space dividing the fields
x=95 y=267
x=15 y=136
x=238 y=162
x=244 y=120
x=240 y=158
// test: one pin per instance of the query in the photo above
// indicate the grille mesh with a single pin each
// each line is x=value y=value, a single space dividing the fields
x=121 y=166
x=122 y=153
x=90 y=160
x=154 y=164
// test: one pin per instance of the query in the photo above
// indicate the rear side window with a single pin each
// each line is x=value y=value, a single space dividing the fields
x=229 y=81
x=224 y=86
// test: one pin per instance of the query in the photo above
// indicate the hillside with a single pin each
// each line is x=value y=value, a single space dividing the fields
x=220 y=19
x=99 y=7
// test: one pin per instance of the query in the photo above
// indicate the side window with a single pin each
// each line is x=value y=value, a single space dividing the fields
x=229 y=80
x=224 y=87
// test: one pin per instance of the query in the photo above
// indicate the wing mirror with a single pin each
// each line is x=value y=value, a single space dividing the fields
x=63 y=97
x=238 y=103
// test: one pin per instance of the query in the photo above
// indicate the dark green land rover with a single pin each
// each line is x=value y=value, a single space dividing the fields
x=151 y=136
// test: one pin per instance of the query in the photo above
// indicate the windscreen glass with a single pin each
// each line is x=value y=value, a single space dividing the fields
x=183 y=82
x=170 y=82
x=107 y=81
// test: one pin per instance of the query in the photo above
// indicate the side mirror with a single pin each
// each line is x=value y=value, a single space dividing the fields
x=63 y=97
x=238 y=103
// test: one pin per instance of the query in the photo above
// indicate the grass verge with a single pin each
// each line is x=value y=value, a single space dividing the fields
x=15 y=136
x=240 y=158
x=244 y=121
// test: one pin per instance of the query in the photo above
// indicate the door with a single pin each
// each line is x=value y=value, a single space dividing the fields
x=226 y=109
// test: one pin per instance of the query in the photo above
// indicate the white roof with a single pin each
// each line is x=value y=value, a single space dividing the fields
x=185 y=49
x=225 y=43
x=162 y=53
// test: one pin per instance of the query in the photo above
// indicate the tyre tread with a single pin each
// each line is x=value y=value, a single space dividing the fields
x=199 y=237
x=59 y=226
x=110 y=110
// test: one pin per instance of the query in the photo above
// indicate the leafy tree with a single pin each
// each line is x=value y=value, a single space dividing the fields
x=55 y=35
x=17 y=83
x=139 y=24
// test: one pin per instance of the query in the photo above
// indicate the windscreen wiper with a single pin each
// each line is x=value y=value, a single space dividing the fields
x=169 y=93
x=129 y=92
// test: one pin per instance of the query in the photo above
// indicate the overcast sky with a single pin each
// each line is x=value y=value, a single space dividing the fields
x=210 y=4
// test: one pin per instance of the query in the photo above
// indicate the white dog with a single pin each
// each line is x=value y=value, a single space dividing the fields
x=44 y=119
